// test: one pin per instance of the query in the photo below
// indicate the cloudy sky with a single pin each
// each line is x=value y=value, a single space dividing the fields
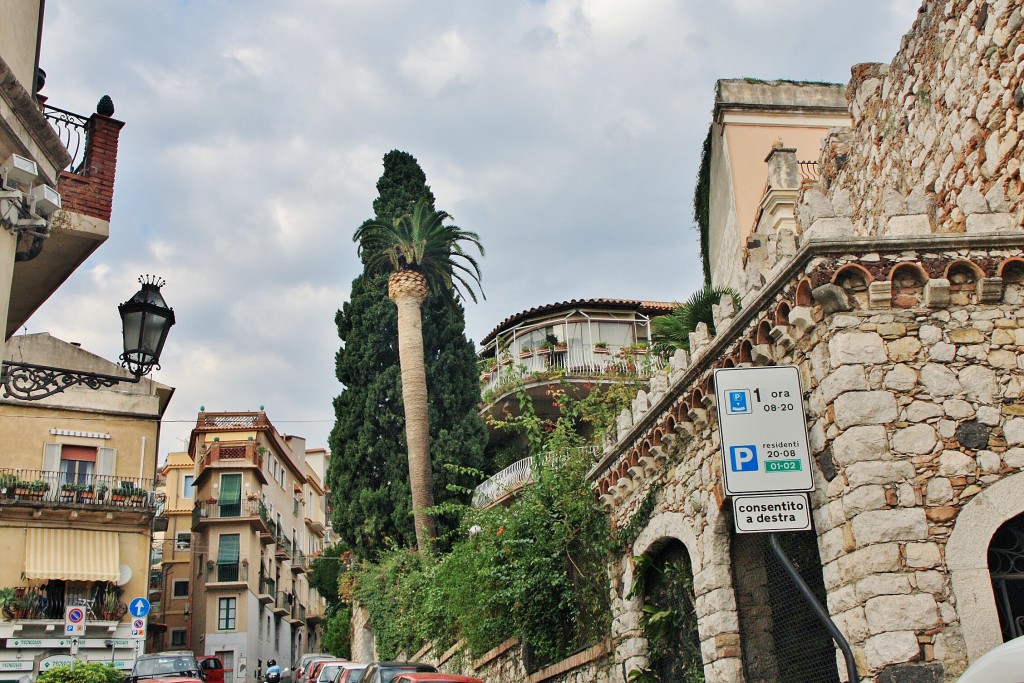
x=565 y=132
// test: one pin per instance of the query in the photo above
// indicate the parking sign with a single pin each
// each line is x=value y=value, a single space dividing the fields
x=763 y=430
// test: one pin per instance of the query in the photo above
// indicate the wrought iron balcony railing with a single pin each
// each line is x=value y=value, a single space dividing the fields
x=72 y=129
x=101 y=601
x=242 y=510
x=513 y=478
x=61 y=488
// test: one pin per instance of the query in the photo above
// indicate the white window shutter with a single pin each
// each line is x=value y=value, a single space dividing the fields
x=105 y=461
x=51 y=457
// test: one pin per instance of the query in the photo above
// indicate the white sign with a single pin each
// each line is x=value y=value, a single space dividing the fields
x=56 y=660
x=763 y=430
x=780 y=512
x=17 y=666
x=74 y=621
x=139 y=627
x=66 y=642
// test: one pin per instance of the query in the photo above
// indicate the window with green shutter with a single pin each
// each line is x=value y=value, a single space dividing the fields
x=230 y=495
x=227 y=557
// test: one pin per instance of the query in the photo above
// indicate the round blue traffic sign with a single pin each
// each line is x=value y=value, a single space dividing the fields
x=76 y=615
x=139 y=607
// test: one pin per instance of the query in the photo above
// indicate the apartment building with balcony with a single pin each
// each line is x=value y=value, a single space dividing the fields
x=170 y=588
x=77 y=504
x=258 y=516
x=577 y=344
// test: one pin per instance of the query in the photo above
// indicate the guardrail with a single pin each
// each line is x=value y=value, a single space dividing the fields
x=41 y=486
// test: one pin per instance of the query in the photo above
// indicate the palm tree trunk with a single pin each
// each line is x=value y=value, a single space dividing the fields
x=408 y=289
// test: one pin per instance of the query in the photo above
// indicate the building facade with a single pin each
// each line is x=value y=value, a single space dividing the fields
x=259 y=515
x=77 y=504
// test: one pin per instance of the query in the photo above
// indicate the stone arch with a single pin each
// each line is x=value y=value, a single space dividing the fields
x=908 y=281
x=782 y=313
x=729 y=363
x=854 y=279
x=1012 y=269
x=963 y=276
x=975 y=526
x=803 y=293
x=744 y=352
x=764 y=329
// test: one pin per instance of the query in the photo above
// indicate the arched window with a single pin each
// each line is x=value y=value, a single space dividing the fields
x=963 y=278
x=665 y=580
x=1006 y=565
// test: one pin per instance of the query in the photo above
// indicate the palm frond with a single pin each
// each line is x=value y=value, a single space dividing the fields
x=672 y=331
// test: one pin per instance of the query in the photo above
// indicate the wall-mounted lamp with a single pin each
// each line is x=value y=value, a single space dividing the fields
x=145 y=319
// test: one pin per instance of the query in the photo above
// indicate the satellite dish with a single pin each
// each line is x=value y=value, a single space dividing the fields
x=125 y=576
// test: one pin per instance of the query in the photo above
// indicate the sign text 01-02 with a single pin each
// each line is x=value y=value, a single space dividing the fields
x=763 y=430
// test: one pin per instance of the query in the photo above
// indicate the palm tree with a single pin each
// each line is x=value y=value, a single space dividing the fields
x=423 y=255
x=672 y=331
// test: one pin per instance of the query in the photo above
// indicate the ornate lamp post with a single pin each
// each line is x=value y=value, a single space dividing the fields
x=145 y=318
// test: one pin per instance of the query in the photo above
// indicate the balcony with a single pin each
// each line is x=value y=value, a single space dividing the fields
x=46 y=489
x=233 y=456
x=34 y=603
x=512 y=479
x=267 y=590
x=298 y=613
x=316 y=526
x=283 y=550
x=300 y=563
x=251 y=511
x=282 y=603
x=87 y=147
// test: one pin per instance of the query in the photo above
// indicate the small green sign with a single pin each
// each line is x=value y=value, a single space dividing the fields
x=782 y=466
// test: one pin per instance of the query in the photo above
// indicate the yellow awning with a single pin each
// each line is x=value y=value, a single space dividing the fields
x=72 y=555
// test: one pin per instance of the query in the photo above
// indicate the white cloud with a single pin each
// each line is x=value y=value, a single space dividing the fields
x=565 y=132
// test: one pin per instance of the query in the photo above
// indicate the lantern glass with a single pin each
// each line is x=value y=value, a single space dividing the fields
x=146 y=319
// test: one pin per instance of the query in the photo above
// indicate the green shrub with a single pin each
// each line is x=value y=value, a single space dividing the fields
x=91 y=672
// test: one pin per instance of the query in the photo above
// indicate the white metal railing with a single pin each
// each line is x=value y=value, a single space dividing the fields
x=577 y=360
x=514 y=477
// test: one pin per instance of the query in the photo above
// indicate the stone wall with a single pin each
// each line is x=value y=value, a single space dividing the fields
x=936 y=143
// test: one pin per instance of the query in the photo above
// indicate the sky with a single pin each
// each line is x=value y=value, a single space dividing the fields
x=567 y=133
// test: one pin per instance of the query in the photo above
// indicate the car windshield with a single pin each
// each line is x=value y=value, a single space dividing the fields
x=149 y=667
x=328 y=672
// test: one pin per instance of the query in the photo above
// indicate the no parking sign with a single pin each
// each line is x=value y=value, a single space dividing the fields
x=139 y=627
x=74 y=621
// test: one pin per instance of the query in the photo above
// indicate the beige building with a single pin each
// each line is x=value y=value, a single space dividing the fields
x=170 y=579
x=750 y=119
x=259 y=514
x=76 y=509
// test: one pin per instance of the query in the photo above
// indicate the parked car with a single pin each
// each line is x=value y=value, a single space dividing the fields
x=1002 y=664
x=178 y=666
x=384 y=672
x=350 y=673
x=434 y=678
x=304 y=663
x=327 y=670
x=314 y=668
x=212 y=667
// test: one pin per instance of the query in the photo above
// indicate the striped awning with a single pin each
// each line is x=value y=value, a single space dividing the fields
x=72 y=555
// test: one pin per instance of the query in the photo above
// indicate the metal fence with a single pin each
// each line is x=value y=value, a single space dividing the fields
x=781 y=639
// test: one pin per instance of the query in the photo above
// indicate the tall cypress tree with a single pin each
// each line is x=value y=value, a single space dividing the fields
x=369 y=473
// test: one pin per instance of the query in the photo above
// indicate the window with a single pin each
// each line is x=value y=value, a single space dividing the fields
x=295 y=503
x=182 y=540
x=227 y=558
x=187 y=490
x=179 y=588
x=226 y=614
x=78 y=464
x=178 y=637
x=230 y=495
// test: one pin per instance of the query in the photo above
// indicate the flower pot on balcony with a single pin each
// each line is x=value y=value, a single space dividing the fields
x=601 y=350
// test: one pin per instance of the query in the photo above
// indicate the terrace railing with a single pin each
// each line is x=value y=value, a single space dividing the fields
x=513 y=478
x=72 y=129
x=55 y=487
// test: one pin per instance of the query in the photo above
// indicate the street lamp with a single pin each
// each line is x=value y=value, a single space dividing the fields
x=145 y=319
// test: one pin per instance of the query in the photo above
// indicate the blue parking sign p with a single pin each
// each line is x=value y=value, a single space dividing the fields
x=739 y=402
x=743 y=458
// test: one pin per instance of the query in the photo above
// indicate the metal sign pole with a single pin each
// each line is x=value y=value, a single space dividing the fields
x=819 y=611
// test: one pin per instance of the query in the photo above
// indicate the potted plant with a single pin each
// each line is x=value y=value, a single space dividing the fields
x=101 y=492
x=7 y=601
x=545 y=348
x=23 y=488
x=117 y=495
x=8 y=483
x=601 y=347
x=37 y=488
x=67 y=491
x=525 y=351
x=86 y=492
x=556 y=343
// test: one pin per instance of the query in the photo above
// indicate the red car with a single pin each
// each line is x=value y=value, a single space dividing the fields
x=212 y=668
x=434 y=678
